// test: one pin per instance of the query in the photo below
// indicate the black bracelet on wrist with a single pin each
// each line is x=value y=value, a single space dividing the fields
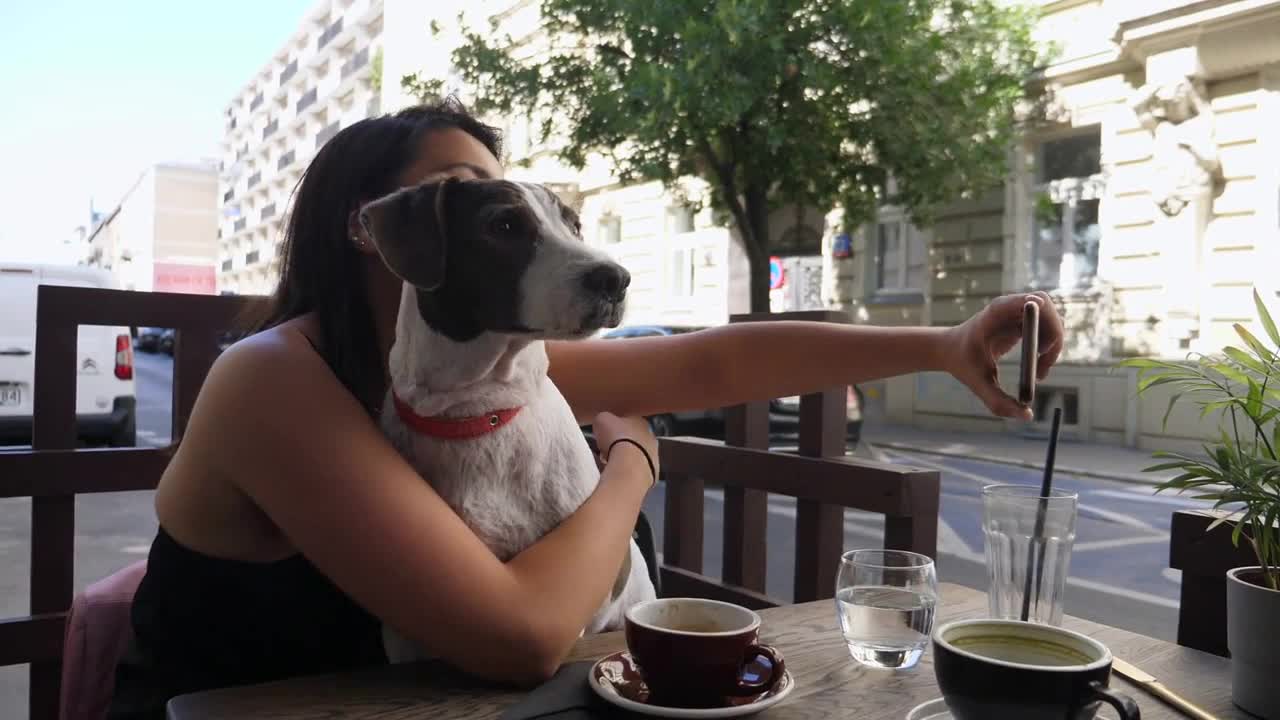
x=652 y=468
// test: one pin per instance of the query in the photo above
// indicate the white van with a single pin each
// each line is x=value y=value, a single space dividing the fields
x=106 y=400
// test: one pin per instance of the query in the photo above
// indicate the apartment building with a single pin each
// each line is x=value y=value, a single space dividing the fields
x=322 y=79
x=162 y=236
x=1147 y=207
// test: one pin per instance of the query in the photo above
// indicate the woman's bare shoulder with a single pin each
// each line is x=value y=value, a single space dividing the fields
x=272 y=380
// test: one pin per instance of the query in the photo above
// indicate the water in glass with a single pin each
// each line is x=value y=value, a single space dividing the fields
x=885 y=601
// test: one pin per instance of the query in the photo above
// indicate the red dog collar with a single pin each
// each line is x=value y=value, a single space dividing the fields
x=463 y=428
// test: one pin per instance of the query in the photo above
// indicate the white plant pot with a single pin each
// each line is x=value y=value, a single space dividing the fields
x=1253 y=626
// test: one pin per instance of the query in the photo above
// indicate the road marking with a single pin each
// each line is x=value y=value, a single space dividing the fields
x=1110 y=589
x=136 y=549
x=152 y=439
x=1133 y=496
x=1119 y=542
x=1109 y=515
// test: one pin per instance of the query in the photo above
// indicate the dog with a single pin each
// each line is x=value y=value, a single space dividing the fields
x=491 y=269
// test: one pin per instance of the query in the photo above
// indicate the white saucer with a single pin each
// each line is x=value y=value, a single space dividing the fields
x=936 y=709
x=599 y=678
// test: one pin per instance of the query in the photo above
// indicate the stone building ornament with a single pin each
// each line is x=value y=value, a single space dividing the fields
x=1186 y=163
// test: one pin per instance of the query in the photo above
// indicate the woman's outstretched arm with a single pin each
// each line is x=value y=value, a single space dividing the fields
x=758 y=361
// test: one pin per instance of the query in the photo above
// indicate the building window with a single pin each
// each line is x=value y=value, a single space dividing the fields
x=680 y=273
x=226 y=265
x=610 y=230
x=1065 y=230
x=679 y=219
x=356 y=62
x=329 y=131
x=901 y=255
x=251 y=257
x=308 y=98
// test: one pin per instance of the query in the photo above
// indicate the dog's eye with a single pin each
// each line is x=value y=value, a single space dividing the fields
x=507 y=224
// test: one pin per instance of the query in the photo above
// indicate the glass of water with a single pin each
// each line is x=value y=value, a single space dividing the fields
x=885 y=600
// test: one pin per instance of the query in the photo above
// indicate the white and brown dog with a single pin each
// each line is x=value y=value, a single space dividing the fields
x=491 y=269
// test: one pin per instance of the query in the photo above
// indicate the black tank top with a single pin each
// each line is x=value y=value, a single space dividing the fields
x=201 y=622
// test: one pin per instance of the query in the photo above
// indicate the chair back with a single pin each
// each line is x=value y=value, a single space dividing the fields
x=98 y=631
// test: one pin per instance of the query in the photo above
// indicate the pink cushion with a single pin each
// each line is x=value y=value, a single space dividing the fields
x=98 y=630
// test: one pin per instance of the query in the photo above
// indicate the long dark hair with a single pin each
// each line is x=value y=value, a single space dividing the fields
x=321 y=270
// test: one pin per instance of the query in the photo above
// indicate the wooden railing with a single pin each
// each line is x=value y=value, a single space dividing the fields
x=53 y=472
x=821 y=479
x=1204 y=556
x=819 y=476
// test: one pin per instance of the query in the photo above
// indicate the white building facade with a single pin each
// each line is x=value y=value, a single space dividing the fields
x=162 y=236
x=322 y=79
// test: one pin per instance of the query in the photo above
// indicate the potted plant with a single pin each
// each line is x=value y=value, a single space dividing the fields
x=1240 y=473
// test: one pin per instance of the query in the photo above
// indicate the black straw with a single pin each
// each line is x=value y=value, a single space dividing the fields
x=1035 y=562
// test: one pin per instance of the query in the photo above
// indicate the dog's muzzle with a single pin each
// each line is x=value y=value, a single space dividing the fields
x=608 y=282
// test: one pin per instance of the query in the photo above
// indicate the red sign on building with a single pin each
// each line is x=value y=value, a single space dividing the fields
x=179 y=278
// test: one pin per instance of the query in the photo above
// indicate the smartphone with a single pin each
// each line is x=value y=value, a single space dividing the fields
x=1030 y=353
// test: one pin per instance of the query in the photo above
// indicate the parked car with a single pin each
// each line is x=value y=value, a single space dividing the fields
x=148 y=339
x=166 y=341
x=106 y=398
x=784 y=413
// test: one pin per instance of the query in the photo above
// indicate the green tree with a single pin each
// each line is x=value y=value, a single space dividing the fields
x=772 y=102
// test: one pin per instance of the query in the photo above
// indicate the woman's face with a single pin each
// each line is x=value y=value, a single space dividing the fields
x=451 y=152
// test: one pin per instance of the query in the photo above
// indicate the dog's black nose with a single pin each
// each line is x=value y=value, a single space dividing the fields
x=608 y=280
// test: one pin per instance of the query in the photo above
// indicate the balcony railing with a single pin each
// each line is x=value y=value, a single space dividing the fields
x=226 y=265
x=289 y=71
x=356 y=62
x=251 y=257
x=270 y=128
x=328 y=132
x=241 y=223
x=257 y=102
x=268 y=211
x=285 y=160
x=329 y=33
x=308 y=98
x=254 y=179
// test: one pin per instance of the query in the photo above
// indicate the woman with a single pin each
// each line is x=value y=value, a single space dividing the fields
x=288 y=523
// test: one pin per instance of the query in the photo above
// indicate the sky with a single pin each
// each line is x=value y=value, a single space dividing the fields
x=93 y=92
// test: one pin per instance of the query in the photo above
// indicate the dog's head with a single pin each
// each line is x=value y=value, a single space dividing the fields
x=496 y=256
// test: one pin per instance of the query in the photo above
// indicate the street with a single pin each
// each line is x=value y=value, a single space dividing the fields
x=1119 y=572
x=1119 y=568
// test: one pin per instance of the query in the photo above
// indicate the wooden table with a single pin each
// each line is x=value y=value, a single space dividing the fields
x=828 y=682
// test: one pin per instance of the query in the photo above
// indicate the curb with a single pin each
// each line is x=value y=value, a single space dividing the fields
x=1138 y=479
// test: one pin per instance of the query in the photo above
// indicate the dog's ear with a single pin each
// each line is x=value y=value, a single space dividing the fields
x=408 y=229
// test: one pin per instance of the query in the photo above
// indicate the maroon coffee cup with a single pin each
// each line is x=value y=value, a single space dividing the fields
x=697 y=653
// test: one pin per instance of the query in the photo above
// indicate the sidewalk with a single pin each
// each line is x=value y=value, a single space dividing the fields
x=1108 y=462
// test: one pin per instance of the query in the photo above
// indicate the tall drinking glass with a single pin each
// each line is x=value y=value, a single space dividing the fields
x=1027 y=535
x=885 y=600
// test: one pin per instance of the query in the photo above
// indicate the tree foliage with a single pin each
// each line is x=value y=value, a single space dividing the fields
x=812 y=102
